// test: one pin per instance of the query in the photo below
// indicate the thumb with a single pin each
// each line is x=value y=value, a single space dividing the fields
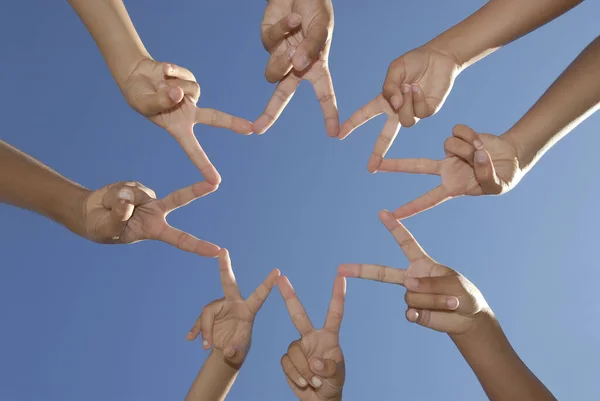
x=165 y=98
x=485 y=174
x=323 y=367
x=121 y=210
x=310 y=48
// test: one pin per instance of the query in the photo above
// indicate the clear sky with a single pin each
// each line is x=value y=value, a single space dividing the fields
x=82 y=321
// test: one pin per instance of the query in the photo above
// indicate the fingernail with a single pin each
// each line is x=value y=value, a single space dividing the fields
x=414 y=316
x=478 y=144
x=411 y=283
x=481 y=156
x=303 y=63
x=318 y=365
x=292 y=51
x=416 y=88
x=452 y=303
x=295 y=20
x=175 y=94
x=169 y=69
x=302 y=382
x=316 y=382
x=126 y=194
x=405 y=88
x=395 y=102
x=161 y=85
x=205 y=344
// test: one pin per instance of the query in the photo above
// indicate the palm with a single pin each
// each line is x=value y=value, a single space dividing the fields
x=148 y=220
x=313 y=36
x=233 y=326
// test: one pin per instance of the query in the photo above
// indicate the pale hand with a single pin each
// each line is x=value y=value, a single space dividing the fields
x=227 y=323
x=167 y=95
x=128 y=212
x=437 y=296
x=314 y=365
x=297 y=34
x=416 y=86
x=475 y=164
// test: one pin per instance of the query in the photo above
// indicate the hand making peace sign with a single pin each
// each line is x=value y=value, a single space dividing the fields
x=128 y=212
x=314 y=365
x=227 y=322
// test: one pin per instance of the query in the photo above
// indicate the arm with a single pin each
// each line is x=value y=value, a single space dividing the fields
x=501 y=372
x=214 y=379
x=570 y=100
x=28 y=184
x=498 y=23
x=114 y=33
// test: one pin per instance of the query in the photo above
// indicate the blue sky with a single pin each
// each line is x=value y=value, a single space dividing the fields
x=84 y=321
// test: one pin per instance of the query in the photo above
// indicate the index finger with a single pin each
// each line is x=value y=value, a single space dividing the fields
x=296 y=310
x=230 y=287
x=379 y=273
x=384 y=142
x=413 y=166
x=187 y=242
x=404 y=238
x=192 y=148
x=335 y=313
x=183 y=196
x=256 y=300
x=361 y=116
x=323 y=86
x=281 y=97
x=220 y=119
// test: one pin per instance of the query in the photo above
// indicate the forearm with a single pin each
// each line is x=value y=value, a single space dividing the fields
x=214 y=379
x=496 y=24
x=573 y=97
x=114 y=33
x=501 y=372
x=28 y=184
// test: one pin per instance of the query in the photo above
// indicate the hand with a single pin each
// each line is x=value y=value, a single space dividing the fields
x=437 y=296
x=475 y=164
x=128 y=212
x=314 y=365
x=227 y=322
x=416 y=86
x=297 y=34
x=167 y=95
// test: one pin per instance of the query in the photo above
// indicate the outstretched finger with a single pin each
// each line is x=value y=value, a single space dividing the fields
x=323 y=86
x=273 y=35
x=384 y=142
x=380 y=273
x=187 y=242
x=230 y=286
x=256 y=300
x=403 y=237
x=183 y=196
x=220 y=119
x=413 y=166
x=424 y=202
x=294 y=306
x=192 y=148
x=281 y=97
x=335 y=314
x=361 y=116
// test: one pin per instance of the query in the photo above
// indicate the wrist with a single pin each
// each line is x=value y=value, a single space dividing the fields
x=70 y=209
x=524 y=155
x=484 y=325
